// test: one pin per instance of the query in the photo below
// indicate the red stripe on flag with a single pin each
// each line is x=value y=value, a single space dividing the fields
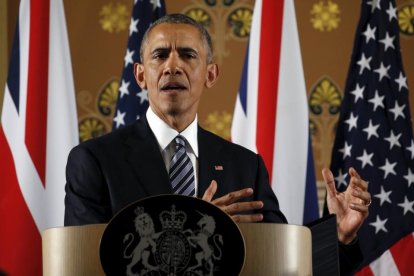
x=403 y=253
x=20 y=240
x=365 y=271
x=269 y=56
x=37 y=85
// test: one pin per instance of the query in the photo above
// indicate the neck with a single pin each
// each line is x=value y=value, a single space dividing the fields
x=178 y=122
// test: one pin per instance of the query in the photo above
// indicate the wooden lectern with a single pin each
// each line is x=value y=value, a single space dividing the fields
x=271 y=249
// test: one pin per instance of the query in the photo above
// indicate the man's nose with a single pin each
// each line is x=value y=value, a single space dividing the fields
x=173 y=65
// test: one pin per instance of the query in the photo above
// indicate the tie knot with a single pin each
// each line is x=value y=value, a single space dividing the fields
x=179 y=142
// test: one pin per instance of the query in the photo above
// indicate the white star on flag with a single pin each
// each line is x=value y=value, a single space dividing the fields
x=409 y=177
x=128 y=57
x=365 y=158
x=388 y=168
x=392 y=12
x=383 y=71
x=388 y=41
x=384 y=196
x=143 y=95
x=375 y=4
x=133 y=26
x=369 y=33
x=358 y=92
x=371 y=130
x=119 y=118
x=341 y=178
x=402 y=81
x=352 y=122
x=398 y=110
x=407 y=205
x=411 y=149
x=393 y=139
x=377 y=101
x=124 y=88
x=346 y=150
x=364 y=63
x=379 y=225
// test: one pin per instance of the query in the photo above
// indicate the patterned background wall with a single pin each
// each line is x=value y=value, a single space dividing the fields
x=98 y=32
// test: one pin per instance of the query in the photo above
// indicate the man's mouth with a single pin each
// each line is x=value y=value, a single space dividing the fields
x=173 y=86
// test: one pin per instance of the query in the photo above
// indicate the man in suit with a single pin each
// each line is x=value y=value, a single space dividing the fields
x=106 y=174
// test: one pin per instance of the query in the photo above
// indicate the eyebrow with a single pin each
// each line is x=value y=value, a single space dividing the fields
x=179 y=49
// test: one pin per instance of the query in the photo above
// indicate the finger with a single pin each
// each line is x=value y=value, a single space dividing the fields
x=364 y=196
x=329 y=181
x=353 y=172
x=233 y=197
x=210 y=192
x=357 y=182
x=238 y=207
x=247 y=218
x=362 y=208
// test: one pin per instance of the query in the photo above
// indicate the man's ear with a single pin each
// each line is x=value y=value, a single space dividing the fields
x=139 y=75
x=212 y=74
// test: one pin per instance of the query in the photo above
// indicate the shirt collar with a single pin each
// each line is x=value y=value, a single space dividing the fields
x=165 y=134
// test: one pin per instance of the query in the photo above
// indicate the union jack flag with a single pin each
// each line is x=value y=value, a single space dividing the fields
x=38 y=129
x=271 y=112
x=375 y=136
x=132 y=100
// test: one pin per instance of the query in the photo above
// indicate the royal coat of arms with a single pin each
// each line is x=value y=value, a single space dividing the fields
x=174 y=241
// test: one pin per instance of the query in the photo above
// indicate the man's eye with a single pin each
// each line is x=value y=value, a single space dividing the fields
x=189 y=55
x=160 y=56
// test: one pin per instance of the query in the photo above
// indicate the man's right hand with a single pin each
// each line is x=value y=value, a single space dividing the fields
x=228 y=203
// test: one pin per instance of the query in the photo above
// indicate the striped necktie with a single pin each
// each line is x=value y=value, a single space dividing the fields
x=181 y=170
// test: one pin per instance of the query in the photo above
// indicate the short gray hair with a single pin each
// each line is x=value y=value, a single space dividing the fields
x=178 y=18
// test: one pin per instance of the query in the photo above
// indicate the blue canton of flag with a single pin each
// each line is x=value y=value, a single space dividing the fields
x=374 y=135
x=132 y=101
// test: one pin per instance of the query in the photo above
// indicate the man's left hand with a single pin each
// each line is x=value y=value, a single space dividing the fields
x=350 y=206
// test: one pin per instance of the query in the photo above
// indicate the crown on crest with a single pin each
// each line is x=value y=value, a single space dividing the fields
x=173 y=220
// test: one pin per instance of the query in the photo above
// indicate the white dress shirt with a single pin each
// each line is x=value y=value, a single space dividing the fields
x=165 y=137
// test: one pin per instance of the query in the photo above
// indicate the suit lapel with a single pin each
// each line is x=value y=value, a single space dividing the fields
x=209 y=161
x=144 y=157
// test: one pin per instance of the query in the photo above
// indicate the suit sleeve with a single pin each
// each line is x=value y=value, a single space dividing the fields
x=87 y=198
x=271 y=211
x=350 y=257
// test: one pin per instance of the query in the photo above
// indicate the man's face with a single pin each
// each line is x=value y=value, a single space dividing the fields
x=175 y=70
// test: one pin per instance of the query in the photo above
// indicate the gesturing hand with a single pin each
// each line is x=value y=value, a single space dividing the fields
x=350 y=207
x=228 y=203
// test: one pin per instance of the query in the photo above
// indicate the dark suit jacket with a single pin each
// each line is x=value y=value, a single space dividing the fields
x=106 y=174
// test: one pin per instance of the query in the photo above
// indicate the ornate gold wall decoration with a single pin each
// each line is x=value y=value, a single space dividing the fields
x=225 y=20
x=91 y=128
x=108 y=97
x=324 y=104
x=219 y=123
x=201 y=16
x=96 y=112
x=114 y=17
x=325 y=92
x=241 y=21
x=406 y=19
x=325 y=16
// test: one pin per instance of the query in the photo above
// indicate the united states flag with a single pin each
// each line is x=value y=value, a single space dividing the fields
x=38 y=128
x=132 y=100
x=271 y=113
x=375 y=136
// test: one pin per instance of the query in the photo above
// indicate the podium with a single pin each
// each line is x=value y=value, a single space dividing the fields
x=271 y=249
x=181 y=235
